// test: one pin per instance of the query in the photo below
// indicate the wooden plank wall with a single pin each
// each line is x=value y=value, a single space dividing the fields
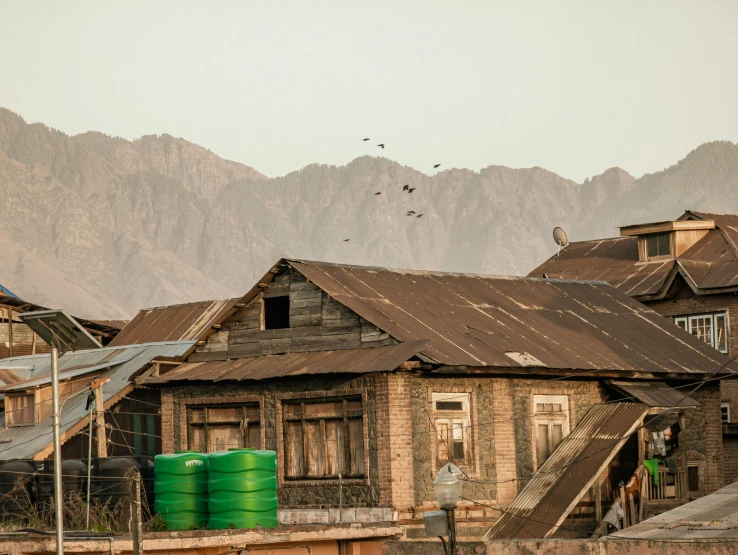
x=24 y=341
x=317 y=323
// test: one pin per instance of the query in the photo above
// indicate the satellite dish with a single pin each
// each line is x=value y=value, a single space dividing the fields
x=561 y=238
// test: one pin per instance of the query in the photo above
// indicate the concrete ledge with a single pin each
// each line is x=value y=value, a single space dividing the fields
x=200 y=541
x=612 y=546
x=335 y=516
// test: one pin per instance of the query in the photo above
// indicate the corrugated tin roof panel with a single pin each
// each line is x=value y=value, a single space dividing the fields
x=26 y=441
x=712 y=516
x=183 y=322
x=377 y=359
x=474 y=320
x=548 y=497
x=656 y=394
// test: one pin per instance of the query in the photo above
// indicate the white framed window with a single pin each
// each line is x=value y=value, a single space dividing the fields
x=710 y=328
x=725 y=412
x=452 y=422
x=550 y=424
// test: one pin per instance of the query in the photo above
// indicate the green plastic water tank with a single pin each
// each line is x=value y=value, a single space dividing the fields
x=243 y=489
x=181 y=489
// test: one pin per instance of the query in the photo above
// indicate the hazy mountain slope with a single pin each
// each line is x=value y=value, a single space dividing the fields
x=104 y=226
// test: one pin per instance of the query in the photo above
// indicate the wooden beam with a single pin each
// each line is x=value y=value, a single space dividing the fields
x=598 y=501
x=102 y=446
x=10 y=331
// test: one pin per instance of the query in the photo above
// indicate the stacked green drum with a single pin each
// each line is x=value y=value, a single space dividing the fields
x=181 y=489
x=243 y=489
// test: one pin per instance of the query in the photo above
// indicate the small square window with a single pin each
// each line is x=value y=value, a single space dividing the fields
x=658 y=244
x=276 y=313
x=449 y=405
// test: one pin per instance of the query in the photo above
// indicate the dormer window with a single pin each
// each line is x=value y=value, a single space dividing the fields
x=658 y=245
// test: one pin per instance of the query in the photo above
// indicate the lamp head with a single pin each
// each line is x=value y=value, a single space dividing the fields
x=447 y=488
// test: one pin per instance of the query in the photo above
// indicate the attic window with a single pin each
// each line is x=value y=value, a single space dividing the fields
x=276 y=313
x=658 y=244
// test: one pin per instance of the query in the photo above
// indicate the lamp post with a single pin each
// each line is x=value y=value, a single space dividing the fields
x=447 y=488
x=63 y=333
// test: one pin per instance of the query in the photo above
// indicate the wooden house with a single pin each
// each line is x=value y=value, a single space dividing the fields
x=366 y=381
x=687 y=271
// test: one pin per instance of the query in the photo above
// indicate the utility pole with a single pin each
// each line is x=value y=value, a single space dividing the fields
x=136 y=525
x=58 y=500
x=102 y=444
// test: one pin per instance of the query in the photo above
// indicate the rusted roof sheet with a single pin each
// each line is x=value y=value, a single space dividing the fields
x=548 y=498
x=474 y=320
x=180 y=322
x=104 y=328
x=655 y=394
x=612 y=260
x=709 y=265
x=359 y=361
x=714 y=516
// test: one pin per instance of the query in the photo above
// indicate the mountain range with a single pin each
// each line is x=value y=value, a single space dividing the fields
x=103 y=226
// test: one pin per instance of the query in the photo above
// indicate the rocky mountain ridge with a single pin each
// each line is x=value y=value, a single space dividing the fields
x=103 y=226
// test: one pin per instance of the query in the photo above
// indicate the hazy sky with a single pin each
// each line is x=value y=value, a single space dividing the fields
x=575 y=87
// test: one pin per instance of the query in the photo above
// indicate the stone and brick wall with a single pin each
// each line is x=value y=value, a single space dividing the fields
x=730 y=458
x=685 y=302
x=303 y=494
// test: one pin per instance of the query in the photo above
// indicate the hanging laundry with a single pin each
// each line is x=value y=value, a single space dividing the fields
x=652 y=465
x=671 y=463
x=659 y=446
x=614 y=515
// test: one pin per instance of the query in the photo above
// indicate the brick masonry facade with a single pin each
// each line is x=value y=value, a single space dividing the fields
x=683 y=302
x=400 y=435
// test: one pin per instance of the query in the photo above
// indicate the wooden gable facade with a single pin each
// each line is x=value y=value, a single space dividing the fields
x=289 y=314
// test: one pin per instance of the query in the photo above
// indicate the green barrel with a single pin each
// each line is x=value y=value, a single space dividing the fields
x=181 y=489
x=243 y=489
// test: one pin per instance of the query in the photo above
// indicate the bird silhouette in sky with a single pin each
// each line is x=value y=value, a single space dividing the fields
x=419 y=216
x=405 y=187
x=411 y=189
x=346 y=240
x=436 y=166
x=378 y=193
x=381 y=144
x=410 y=212
x=367 y=139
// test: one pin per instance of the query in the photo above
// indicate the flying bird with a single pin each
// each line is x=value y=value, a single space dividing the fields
x=381 y=144
x=436 y=166
x=405 y=187
x=419 y=216
x=346 y=240
x=367 y=139
x=411 y=189
x=410 y=212
x=378 y=193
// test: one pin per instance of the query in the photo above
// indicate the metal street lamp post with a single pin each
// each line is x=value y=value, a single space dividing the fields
x=447 y=489
x=63 y=333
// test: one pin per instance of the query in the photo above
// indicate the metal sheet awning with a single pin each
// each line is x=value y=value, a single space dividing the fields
x=561 y=482
x=655 y=394
x=378 y=359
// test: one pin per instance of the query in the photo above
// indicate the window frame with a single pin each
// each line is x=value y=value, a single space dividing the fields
x=725 y=405
x=186 y=403
x=548 y=418
x=466 y=417
x=208 y=425
x=11 y=410
x=284 y=401
x=688 y=319
x=659 y=256
x=268 y=300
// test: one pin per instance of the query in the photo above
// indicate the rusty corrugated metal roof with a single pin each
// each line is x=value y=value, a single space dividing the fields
x=96 y=327
x=655 y=394
x=474 y=320
x=180 y=322
x=709 y=266
x=560 y=483
x=359 y=361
